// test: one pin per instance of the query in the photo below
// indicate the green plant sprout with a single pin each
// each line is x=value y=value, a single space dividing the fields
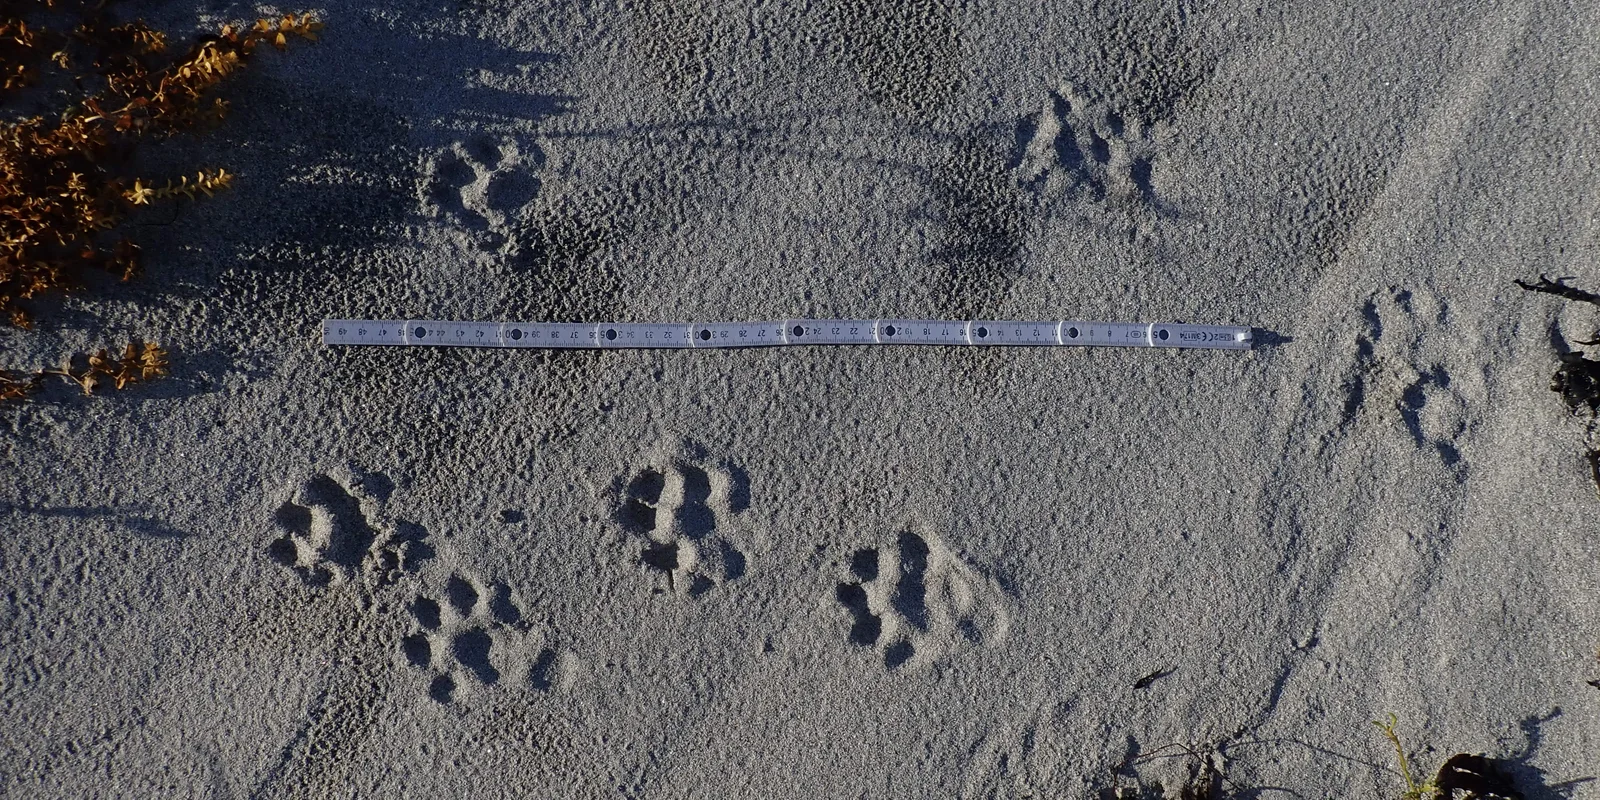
x=1429 y=790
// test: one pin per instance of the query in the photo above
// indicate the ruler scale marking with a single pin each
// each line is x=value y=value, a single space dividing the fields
x=721 y=335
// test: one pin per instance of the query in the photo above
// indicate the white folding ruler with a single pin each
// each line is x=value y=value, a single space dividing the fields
x=690 y=335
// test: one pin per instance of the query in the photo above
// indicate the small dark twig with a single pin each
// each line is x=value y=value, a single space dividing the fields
x=1144 y=683
x=1559 y=289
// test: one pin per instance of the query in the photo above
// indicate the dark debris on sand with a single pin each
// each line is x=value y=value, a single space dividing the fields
x=1577 y=377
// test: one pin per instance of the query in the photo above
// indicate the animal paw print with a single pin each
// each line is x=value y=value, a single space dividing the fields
x=475 y=634
x=332 y=533
x=916 y=602
x=1385 y=368
x=1071 y=147
x=484 y=186
x=683 y=511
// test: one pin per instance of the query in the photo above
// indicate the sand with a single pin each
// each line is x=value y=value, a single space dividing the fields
x=298 y=571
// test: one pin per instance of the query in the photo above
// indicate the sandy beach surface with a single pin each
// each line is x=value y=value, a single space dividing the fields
x=290 y=570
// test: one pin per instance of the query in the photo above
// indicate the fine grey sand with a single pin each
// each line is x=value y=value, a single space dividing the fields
x=298 y=571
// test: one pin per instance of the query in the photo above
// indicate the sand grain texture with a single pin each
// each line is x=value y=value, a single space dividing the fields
x=295 y=571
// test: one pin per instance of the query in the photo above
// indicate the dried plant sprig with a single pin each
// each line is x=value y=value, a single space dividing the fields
x=205 y=182
x=17 y=385
x=60 y=190
x=139 y=362
x=19 y=48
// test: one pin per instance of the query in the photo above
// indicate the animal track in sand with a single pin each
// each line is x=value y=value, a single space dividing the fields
x=476 y=633
x=682 y=511
x=1432 y=410
x=1072 y=146
x=483 y=186
x=915 y=602
x=332 y=533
